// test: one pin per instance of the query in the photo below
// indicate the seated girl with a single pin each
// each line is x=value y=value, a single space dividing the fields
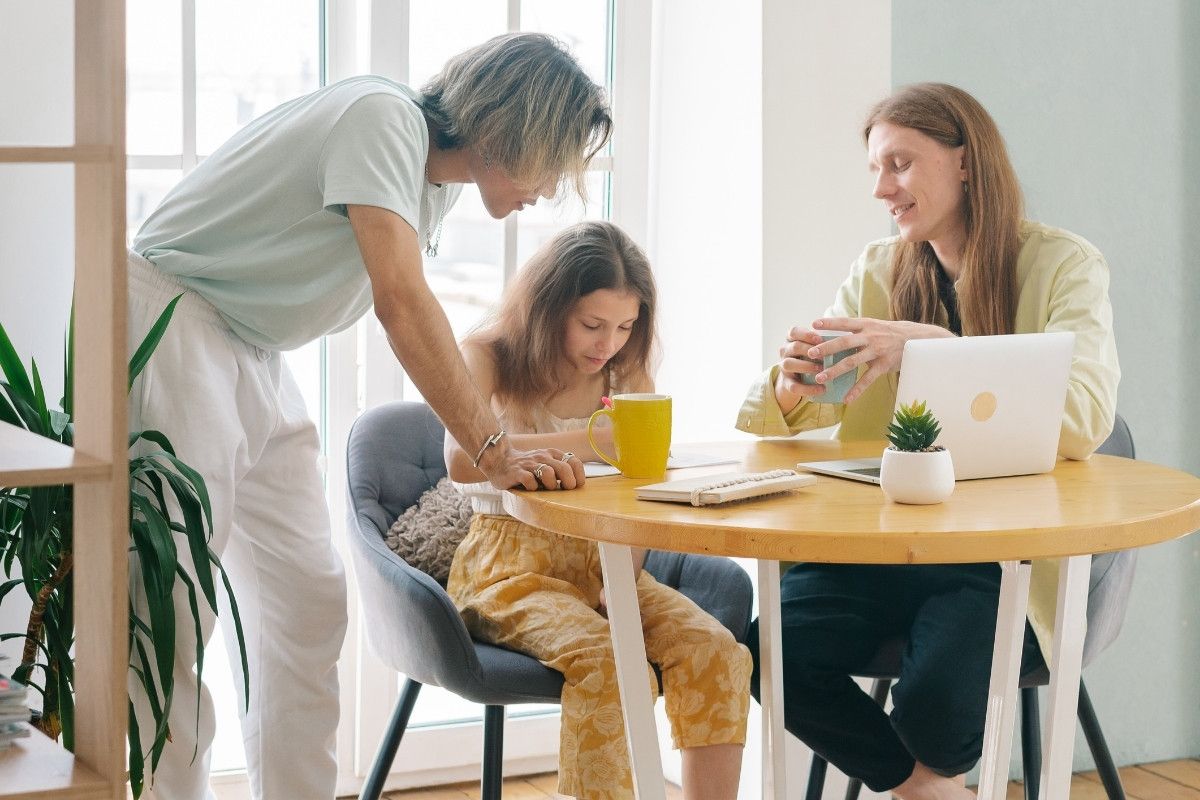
x=965 y=263
x=576 y=325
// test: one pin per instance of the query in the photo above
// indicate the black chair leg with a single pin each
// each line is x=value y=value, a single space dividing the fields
x=816 y=778
x=1031 y=742
x=373 y=787
x=493 y=752
x=1100 y=754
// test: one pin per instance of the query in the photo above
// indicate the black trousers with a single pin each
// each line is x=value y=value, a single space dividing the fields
x=834 y=618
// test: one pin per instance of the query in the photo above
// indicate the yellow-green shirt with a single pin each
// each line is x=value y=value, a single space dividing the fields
x=1062 y=284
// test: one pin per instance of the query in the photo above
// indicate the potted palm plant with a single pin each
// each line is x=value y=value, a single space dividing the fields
x=914 y=469
x=36 y=527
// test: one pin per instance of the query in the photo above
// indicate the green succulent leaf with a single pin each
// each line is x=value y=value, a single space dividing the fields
x=914 y=428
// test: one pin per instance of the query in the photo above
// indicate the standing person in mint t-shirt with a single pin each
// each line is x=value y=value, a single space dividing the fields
x=292 y=230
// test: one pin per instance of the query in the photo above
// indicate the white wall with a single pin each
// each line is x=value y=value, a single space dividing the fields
x=706 y=245
x=36 y=206
x=824 y=66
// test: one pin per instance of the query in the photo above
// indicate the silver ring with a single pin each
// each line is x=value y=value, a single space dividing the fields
x=568 y=456
x=537 y=473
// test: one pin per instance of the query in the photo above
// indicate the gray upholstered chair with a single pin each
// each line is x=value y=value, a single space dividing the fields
x=393 y=455
x=1108 y=595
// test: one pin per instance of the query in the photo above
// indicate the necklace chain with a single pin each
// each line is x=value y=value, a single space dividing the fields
x=434 y=239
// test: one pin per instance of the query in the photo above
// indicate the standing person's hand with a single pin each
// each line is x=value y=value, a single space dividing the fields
x=880 y=346
x=793 y=363
x=549 y=468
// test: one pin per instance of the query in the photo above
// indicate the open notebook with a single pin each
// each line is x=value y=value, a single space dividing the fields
x=595 y=469
x=711 y=489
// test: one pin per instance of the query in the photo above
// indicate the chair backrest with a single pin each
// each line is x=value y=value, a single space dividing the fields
x=1111 y=573
x=394 y=453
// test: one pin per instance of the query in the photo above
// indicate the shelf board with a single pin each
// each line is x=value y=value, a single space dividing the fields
x=27 y=459
x=79 y=154
x=38 y=767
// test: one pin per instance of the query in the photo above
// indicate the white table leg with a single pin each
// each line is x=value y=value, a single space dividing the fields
x=629 y=650
x=1070 y=625
x=1002 y=692
x=770 y=646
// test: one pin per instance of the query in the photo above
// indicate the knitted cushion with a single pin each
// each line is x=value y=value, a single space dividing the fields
x=428 y=533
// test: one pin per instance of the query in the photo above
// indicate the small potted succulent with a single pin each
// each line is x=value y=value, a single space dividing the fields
x=914 y=469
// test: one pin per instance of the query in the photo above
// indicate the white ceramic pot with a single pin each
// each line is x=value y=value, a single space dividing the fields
x=917 y=478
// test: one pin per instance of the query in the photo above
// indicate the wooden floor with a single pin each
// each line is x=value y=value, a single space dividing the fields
x=1166 y=780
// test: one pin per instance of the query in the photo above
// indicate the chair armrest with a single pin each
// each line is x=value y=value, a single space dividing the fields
x=412 y=624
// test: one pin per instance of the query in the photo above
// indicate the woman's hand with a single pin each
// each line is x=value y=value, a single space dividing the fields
x=793 y=363
x=880 y=346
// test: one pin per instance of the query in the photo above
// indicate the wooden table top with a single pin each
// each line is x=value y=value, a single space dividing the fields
x=1103 y=504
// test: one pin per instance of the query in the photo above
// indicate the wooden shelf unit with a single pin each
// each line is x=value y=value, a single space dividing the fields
x=27 y=459
x=37 y=767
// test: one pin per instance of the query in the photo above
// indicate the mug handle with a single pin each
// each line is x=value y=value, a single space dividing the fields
x=592 y=441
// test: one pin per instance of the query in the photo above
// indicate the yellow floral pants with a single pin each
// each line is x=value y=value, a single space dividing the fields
x=539 y=593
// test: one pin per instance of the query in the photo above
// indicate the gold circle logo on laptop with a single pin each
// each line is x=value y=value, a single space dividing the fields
x=983 y=406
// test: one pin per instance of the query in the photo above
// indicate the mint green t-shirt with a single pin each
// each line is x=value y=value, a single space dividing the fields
x=259 y=228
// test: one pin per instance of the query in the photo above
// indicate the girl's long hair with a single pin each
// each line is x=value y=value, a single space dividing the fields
x=526 y=333
x=987 y=284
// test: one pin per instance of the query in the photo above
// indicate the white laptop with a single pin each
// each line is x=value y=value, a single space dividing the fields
x=999 y=400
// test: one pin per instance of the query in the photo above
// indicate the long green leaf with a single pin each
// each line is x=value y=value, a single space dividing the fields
x=152 y=436
x=157 y=556
x=162 y=719
x=4 y=637
x=66 y=707
x=8 y=586
x=197 y=482
x=148 y=345
x=197 y=535
x=182 y=575
x=68 y=401
x=237 y=627
x=12 y=367
x=137 y=764
x=26 y=410
x=7 y=412
x=39 y=398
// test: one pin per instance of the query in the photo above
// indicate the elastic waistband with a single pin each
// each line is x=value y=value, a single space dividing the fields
x=150 y=283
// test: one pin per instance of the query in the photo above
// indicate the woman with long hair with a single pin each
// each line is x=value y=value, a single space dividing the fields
x=965 y=263
x=577 y=325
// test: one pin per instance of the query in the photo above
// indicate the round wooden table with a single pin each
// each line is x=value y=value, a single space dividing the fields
x=1079 y=509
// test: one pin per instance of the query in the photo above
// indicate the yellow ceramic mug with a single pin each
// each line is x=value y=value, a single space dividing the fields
x=641 y=432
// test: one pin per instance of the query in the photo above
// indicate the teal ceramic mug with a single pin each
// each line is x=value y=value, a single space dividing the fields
x=835 y=390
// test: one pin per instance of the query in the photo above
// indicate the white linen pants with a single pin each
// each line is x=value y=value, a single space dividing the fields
x=234 y=413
